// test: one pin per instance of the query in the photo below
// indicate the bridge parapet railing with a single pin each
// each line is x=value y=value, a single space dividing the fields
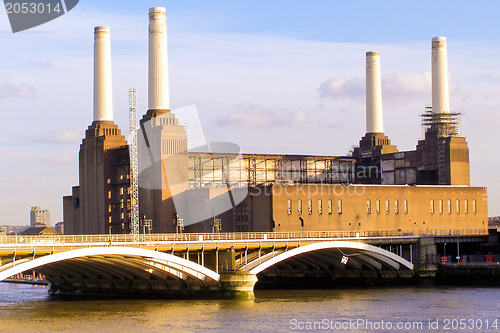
x=453 y=232
x=47 y=240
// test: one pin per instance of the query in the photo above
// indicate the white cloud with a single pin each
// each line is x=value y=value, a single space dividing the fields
x=61 y=159
x=68 y=135
x=12 y=90
x=250 y=114
x=395 y=88
x=402 y=87
x=38 y=64
x=15 y=180
x=335 y=88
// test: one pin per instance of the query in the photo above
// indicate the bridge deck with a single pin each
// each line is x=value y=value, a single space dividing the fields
x=24 y=245
x=45 y=240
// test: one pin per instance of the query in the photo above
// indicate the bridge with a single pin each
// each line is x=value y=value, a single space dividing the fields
x=173 y=265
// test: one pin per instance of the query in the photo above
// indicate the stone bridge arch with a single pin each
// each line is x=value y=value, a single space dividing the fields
x=363 y=261
x=118 y=270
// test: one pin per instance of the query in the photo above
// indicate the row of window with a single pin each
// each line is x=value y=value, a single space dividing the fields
x=378 y=208
x=458 y=207
x=310 y=207
x=387 y=207
x=122 y=217
x=122 y=192
x=122 y=177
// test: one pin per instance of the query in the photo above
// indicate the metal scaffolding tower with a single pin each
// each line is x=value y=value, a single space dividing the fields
x=446 y=124
x=134 y=163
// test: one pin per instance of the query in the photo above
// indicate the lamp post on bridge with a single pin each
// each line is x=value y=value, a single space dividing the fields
x=216 y=225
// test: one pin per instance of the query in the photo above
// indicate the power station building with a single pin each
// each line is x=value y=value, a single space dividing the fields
x=377 y=188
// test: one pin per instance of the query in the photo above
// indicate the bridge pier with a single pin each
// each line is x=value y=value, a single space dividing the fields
x=226 y=260
x=238 y=284
x=426 y=265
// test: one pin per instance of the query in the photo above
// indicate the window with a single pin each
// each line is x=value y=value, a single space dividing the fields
x=368 y=206
x=330 y=209
x=122 y=216
x=405 y=206
x=109 y=180
x=109 y=208
x=339 y=206
x=474 y=208
x=432 y=206
x=449 y=206
x=299 y=207
x=309 y=206
x=457 y=206
x=121 y=191
x=466 y=206
x=377 y=206
x=396 y=206
x=109 y=194
x=320 y=207
x=387 y=210
x=289 y=206
x=440 y=206
x=109 y=219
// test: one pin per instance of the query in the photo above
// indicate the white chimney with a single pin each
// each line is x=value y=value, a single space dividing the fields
x=158 y=97
x=440 y=84
x=374 y=117
x=103 y=95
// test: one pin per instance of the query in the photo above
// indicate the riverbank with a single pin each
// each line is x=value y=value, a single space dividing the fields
x=27 y=281
x=487 y=275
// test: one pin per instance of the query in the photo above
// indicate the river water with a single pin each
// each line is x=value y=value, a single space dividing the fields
x=27 y=308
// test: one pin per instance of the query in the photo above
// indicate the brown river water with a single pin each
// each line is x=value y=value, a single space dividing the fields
x=27 y=308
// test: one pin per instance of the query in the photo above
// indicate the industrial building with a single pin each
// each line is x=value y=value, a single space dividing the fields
x=377 y=188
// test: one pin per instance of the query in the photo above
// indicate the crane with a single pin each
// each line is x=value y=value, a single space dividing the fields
x=134 y=163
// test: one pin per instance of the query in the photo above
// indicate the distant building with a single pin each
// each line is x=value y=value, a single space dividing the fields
x=59 y=227
x=5 y=230
x=39 y=217
x=494 y=221
x=17 y=229
x=39 y=231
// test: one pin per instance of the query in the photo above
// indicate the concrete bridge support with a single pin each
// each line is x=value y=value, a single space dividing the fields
x=238 y=284
x=226 y=260
x=426 y=265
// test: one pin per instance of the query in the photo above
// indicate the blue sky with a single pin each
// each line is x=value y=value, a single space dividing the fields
x=271 y=76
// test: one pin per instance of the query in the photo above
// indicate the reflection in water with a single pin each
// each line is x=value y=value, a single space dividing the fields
x=26 y=308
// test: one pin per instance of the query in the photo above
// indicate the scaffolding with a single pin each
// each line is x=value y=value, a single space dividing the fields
x=446 y=124
x=216 y=170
